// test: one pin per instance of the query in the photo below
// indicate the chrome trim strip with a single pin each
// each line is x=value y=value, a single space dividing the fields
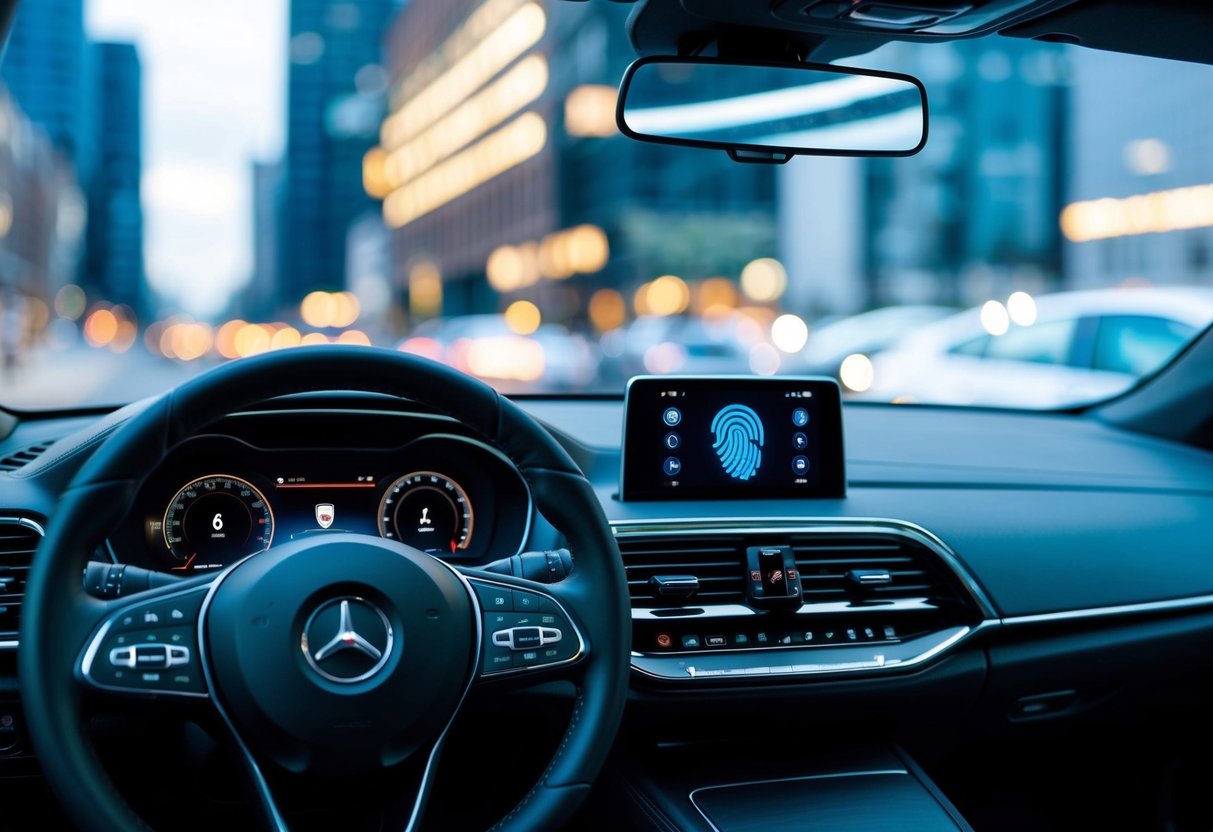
x=786 y=525
x=90 y=652
x=36 y=527
x=878 y=663
x=581 y=646
x=831 y=776
x=708 y=611
x=1172 y=605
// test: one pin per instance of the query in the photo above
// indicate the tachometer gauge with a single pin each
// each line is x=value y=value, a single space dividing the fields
x=428 y=511
x=214 y=521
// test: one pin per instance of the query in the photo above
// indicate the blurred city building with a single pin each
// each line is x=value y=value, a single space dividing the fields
x=45 y=69
x=41 y=208
x=261 y=298
x=335 y=101
x=973 y=214
x=113 y=263
x=1140 y=183
x=504 y=179
x=86 y=99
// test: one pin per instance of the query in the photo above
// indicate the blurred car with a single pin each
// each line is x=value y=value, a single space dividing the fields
x=1052 y=351
x=867 y=333
x=675 y=344
x=550 y=358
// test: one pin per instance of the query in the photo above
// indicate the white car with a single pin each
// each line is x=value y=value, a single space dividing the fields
x=1070 y=348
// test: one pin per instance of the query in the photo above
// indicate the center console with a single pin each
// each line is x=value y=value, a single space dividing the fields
x=860 y=789
x=740 y=601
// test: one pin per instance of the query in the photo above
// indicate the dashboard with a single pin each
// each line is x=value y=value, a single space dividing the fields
x=263 y=479
x=1037 y=564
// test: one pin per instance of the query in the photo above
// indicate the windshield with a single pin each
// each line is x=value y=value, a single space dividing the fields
x=183 y=184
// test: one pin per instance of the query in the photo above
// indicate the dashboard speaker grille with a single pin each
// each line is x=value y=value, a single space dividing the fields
x=23 y=457
x=19 y=538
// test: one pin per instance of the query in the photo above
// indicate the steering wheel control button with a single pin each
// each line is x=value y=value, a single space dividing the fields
x=672 y=416
x=150 y=646
x=494 y=598
x=347 y=639
x=538 y=633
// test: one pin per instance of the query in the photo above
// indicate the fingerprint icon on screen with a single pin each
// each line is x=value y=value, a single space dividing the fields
x=739 y=438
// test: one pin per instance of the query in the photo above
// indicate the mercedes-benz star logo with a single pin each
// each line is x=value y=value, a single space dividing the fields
x=355 y=639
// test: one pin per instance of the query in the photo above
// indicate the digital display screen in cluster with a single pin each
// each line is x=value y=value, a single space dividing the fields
x=726 y=438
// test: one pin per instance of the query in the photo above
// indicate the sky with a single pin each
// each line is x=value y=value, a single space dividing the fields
x=214 y=91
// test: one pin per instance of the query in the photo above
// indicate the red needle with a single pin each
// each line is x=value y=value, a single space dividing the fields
x=185 y=566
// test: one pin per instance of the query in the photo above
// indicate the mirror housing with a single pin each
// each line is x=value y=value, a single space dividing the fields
x=770 y=112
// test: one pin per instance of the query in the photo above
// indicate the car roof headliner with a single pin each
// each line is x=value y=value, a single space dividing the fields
x=1174 y=29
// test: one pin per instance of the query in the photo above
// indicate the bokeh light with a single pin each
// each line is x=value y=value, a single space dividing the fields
x=69 y=302
x=994 y=318
x=1021 y=307
x=789 y=333
x=667 y=295
x=523 y=317
x=100 y=327
x=608 y=310
x=764 y=280
x=857 y=373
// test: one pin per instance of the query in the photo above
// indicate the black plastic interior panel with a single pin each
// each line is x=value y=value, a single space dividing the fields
x=870 y=801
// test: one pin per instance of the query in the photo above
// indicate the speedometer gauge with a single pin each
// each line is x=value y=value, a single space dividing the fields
x=214 y=521
x=428 y=511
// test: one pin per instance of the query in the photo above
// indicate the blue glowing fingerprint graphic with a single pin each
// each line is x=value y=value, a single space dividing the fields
x=739 y=439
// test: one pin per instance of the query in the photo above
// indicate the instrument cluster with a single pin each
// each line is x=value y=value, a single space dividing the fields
x=220 y=498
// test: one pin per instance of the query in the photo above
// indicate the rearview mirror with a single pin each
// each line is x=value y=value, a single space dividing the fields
x=771 y=112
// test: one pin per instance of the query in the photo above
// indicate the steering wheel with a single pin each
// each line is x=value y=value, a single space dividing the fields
x=343 y=656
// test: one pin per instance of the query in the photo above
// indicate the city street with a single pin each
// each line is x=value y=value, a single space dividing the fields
x=50 y=379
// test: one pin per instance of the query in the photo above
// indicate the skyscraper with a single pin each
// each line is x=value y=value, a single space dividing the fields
x=44 y=69
x=113 y=258
x=335 y=103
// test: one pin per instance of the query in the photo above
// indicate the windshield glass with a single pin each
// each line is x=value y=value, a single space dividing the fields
x=183 y=184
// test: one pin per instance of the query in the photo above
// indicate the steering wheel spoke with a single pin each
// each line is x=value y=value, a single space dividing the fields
x=529 y=630
x=146 y=646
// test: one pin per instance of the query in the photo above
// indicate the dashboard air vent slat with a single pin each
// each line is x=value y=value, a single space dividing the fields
x=18 y=540
x=716 y=563
x=825 y=562
x=23 y=457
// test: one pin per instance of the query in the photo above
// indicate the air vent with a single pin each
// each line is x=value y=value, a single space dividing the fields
x=842 y=567
x=23 y=457
x=19 y=538
x=716 y=561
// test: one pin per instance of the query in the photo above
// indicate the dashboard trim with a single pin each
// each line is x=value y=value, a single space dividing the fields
x=933 y=645
x=36 y=527
x=1121 y=610
x=784 y=525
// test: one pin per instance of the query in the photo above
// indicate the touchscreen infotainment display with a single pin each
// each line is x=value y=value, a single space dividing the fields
x=688 y=438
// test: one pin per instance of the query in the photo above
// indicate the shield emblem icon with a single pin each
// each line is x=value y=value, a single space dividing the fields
x=325 y=515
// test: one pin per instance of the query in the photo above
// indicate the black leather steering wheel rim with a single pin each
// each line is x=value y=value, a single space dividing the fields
x=51 y=641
